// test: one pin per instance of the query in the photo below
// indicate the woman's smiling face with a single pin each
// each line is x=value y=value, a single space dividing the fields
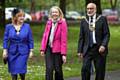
x=55 y=13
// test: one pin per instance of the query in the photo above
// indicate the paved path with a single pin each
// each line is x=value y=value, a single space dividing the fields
x=115 y=75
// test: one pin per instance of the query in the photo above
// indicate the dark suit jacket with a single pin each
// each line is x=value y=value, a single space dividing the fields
x=102 y=34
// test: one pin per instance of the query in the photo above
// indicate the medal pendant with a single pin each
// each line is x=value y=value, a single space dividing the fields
x=92 y=27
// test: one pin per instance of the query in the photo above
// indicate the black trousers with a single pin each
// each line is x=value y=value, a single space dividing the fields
x=99 y=63
x=53 y=63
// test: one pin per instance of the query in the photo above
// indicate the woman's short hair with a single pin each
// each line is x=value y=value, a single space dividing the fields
x=15 y=11
x=60 y=12
x=15 y=14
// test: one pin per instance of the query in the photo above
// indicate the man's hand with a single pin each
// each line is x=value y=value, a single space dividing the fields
x=80 y=55
x=101 y=49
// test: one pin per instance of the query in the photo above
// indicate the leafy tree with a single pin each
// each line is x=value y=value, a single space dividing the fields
x=18 y=3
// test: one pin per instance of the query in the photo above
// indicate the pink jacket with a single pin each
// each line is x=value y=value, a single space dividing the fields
x=60 y=37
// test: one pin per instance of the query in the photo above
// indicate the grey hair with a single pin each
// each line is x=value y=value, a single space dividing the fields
x=93 y=4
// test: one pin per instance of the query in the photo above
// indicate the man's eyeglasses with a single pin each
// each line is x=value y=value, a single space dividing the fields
x=90 y=8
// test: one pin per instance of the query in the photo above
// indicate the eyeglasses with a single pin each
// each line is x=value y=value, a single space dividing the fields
x=90 y=8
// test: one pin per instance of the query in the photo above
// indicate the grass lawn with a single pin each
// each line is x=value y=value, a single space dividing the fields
x=36 y=66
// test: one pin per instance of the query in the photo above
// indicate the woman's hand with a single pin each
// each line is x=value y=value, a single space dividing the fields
x=31 y=54
x=64 y=59
x=42 y=53
x=5 y=53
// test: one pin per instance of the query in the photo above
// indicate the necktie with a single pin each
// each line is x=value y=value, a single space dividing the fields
x=91 y=19
x=91 y=34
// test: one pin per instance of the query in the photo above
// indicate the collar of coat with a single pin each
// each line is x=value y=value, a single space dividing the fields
x=97 y=18
x=50 y=21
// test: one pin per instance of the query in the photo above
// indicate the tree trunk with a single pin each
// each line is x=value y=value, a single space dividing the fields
x=98 y=3
x=113 y=4
x=32 y=6
x=63 y=6
x=2 y=13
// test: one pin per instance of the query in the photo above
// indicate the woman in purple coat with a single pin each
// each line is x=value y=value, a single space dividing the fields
x=17 y=45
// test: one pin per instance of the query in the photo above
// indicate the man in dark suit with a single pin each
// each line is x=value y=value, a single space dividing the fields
x=93 y=43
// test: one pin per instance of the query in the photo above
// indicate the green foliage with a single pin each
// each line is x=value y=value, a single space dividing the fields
x=77 y=5
x=24 y=4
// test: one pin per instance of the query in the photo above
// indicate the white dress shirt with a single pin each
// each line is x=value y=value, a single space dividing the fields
x=93 y=32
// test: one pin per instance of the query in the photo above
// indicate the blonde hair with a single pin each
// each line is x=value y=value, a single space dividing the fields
x=60 y=12
x=15 y=18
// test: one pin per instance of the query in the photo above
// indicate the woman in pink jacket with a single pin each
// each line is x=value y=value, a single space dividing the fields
x=54 y=44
